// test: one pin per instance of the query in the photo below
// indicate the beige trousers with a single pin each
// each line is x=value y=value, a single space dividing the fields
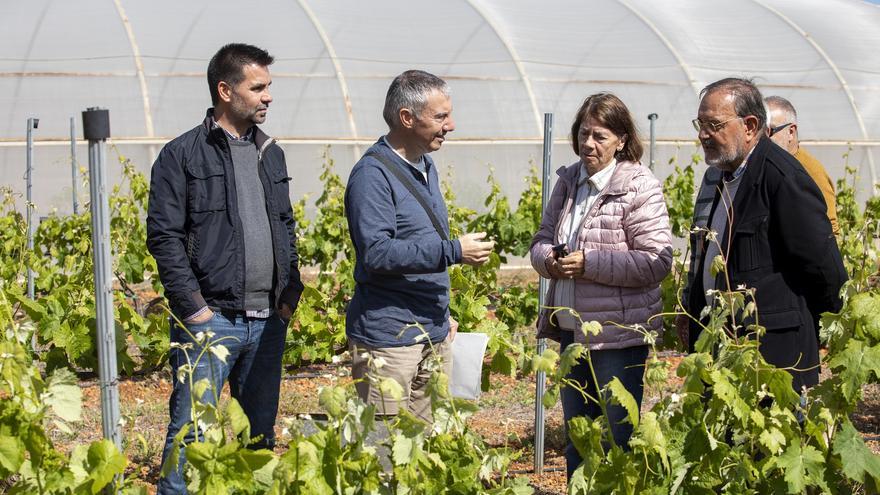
x=408 y=366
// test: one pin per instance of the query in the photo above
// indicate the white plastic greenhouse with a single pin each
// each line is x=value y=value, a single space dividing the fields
x=508 y=62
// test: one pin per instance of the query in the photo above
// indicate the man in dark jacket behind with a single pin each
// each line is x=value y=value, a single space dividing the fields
x=221 y=228
x=771 y=228
x=402 y=256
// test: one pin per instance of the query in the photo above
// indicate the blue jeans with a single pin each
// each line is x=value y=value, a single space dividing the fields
x=253 y=369
x=628 y=365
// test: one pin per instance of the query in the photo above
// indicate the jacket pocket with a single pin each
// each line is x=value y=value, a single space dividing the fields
x=778 y=306
x=206 y=188
x=282 y=194
x=748 y=241
x=280 y=184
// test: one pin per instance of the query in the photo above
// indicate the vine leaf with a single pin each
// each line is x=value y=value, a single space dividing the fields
x=853 y=365
x=64 y=395
x=104 y=462
x=859 y=460
x=801 y=465
x=773 y=439
x=241 y=427
x=622 y=396
x=11 y=454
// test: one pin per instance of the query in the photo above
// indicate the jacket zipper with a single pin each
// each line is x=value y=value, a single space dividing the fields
x=262 y=172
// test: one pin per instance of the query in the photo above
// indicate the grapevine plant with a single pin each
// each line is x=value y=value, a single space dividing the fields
x=733 y=426
x=352 y=451
x=29 y=404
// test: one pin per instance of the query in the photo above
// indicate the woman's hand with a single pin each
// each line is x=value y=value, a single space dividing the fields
x=572 y=265
x=553 y=267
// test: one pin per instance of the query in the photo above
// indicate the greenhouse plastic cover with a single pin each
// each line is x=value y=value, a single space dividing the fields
x=507 y=61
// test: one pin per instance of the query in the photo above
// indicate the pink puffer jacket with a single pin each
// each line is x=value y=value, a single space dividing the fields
x=627 y=249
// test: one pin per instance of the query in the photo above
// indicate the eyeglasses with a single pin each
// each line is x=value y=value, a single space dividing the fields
x=774 y=130
x=711 y=127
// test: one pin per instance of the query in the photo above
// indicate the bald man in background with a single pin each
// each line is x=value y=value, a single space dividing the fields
x=782 y=128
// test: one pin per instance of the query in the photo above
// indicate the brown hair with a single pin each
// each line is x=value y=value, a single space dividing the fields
x=610 y=112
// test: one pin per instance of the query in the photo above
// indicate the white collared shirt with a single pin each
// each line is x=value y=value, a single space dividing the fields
x=588 y=189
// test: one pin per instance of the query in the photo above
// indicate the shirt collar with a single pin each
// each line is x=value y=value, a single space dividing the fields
x=600 y=179
x=736 y=174
x=248 y=136
x=417 y=165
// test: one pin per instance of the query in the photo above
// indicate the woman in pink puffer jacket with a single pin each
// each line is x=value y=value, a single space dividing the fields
x=608 y=218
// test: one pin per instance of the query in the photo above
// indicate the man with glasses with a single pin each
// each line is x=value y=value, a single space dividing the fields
x=772 y=232
x=782 y=127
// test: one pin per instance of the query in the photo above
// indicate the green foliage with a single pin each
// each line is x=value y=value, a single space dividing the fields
x=512 y=230
x=858 y=230
x=853 y=337
x=735 y=425
x=318 y=331
x=678 y=189
x=679 y=192
x=27 y=454
x=477 y=301
x=64 y=309
x=13 y=246
x=340 y=454
x=732 y=427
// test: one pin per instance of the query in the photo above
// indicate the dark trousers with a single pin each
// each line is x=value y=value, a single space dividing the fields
x=628 y=365
x=253 y=369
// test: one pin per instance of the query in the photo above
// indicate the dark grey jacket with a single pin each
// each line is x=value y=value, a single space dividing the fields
x=193 y=227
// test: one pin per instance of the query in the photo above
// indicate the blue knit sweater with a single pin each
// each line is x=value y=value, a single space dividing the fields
x=400 y=272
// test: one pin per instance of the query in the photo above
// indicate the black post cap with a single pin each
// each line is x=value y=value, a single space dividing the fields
x=96 y=124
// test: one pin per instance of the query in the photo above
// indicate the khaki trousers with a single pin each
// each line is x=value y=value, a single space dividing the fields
x=408 y=366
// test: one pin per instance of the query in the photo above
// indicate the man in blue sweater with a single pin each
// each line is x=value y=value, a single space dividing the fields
x=399 y=315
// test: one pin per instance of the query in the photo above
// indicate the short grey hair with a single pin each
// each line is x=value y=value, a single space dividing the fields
x=410 y=90
x=783 y=105
x=747 y=99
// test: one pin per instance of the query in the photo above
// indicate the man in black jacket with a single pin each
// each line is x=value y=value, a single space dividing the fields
x=221 y=228
x=771 y=227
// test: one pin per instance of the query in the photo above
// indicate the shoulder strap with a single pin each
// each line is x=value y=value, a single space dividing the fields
x=407 y=182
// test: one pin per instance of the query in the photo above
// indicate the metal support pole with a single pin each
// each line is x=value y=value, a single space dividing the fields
x=96 y=128
x=73 y=166
x=540 y=379
x=32 y=124
x=653 y=118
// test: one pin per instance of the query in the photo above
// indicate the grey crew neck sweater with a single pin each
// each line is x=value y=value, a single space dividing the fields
x=258 y=255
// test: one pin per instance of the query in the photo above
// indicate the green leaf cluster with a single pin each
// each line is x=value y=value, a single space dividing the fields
x=61 y=260
x=735 y=425
x=29 y=402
